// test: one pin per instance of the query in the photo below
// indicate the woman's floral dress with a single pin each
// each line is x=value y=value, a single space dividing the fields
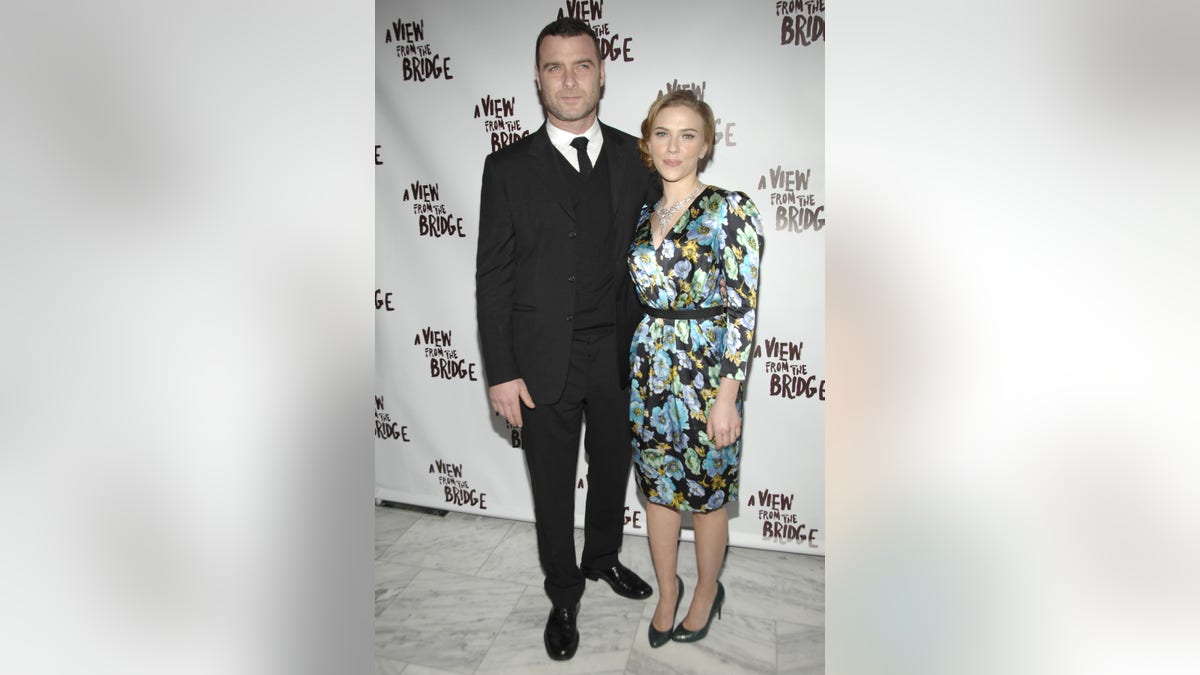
x=677 y=364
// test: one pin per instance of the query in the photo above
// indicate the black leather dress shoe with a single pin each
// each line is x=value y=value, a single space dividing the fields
x=562 y=635
x=622 y=579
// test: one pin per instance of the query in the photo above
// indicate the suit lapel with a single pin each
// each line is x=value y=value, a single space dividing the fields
x=614 y=146
x=545 y=164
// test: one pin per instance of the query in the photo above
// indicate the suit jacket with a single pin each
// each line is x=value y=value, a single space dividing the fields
x=527 y=252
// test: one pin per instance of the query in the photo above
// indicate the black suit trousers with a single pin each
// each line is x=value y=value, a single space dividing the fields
x=551 y=440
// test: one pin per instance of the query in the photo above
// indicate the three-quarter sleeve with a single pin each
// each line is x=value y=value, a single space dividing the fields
x=740 y=256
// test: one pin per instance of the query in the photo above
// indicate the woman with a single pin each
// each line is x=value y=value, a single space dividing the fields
x=689 y=355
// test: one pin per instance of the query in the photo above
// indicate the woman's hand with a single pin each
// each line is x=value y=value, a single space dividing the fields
x=724 y=423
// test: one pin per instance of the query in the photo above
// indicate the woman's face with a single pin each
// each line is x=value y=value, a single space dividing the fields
x=677 y=143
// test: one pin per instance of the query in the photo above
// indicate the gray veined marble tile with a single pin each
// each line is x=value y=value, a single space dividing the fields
x=800 y=649
x=515 y=558
x=445 y=620
x=414 y=669
x=635 y=554
x=394 y=575
x=455 y=543
x=390 y=523
x=775 y=585
x=434 y=567
x=389 y=667
x=390 y=580
x=607 y=626
x=735 y=644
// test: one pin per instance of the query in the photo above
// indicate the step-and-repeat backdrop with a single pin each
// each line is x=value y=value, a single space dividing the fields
x=455 y=81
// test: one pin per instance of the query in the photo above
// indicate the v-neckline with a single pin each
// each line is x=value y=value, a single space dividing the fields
x=687 y=212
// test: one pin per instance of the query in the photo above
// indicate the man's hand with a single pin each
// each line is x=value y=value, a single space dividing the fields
x=507 y=397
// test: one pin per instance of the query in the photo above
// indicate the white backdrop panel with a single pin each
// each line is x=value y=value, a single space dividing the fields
x=455 y=81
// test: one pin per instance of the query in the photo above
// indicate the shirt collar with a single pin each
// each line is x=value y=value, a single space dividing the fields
x=562 y=139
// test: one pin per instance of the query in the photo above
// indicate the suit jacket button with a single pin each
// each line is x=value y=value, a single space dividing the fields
x=571 y=235
x=570 y=317
x=571 y=278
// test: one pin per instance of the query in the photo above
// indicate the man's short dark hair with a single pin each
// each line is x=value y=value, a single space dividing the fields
x=566 y=27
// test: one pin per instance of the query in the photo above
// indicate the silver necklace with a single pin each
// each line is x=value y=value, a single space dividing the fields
x=667 y=213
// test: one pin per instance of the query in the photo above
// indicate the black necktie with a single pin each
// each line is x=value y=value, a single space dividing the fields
x=585 y=164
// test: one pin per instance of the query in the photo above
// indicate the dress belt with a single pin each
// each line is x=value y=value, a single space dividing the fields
x=685 y=314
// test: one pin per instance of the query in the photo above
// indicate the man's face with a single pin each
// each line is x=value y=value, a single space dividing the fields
x=569 y=77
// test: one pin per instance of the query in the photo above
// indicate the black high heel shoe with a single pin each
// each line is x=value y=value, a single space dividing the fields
x=681 y=634
x=659 y=638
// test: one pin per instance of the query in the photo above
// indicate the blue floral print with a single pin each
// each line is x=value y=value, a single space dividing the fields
x=677 y=364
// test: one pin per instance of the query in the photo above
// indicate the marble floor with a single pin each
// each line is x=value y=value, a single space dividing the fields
x=463 y=594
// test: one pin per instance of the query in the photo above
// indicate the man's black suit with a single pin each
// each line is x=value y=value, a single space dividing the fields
x=530 y=253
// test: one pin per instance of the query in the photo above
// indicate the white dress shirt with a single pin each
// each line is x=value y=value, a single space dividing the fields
x=562 y=141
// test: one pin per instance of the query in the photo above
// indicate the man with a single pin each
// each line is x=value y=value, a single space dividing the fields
x=557 y=311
